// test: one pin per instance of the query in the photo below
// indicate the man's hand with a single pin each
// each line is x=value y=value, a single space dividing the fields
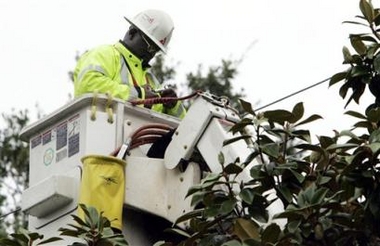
x=169 y=93
x=149 y=92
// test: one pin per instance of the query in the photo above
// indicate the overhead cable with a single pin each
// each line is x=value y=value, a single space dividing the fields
x=294 y=93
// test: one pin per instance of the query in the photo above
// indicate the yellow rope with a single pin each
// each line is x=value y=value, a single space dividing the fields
x=109 y=109
x=93 y=106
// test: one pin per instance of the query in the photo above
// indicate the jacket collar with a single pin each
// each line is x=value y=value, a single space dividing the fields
x=129 y=56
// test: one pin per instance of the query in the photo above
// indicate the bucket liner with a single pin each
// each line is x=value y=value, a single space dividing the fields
x=102 y=186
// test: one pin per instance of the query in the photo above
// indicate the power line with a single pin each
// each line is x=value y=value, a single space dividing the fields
x=9 y=213
x=294 y=93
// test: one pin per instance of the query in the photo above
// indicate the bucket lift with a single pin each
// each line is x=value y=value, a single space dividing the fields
x=155 y=188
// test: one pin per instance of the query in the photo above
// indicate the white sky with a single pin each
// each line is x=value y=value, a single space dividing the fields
x=297 y=43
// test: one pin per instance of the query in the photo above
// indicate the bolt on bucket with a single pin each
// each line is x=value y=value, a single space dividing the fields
x=102 y=186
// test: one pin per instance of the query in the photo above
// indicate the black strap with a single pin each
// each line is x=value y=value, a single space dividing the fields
x=137 y=87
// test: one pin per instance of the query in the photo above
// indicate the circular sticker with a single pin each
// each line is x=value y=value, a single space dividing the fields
x=48 y=156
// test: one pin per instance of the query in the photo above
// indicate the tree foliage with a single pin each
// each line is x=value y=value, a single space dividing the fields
x=14 y=166
x=217 y=81
x=329 y=191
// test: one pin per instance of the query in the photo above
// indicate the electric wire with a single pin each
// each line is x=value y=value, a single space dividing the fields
x=9 y=213
x=292 y=94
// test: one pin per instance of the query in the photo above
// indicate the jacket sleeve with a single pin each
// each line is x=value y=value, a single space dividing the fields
x=96 y=70
x=178 y=110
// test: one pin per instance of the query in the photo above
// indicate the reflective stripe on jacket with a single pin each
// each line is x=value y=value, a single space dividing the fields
x=104 y=70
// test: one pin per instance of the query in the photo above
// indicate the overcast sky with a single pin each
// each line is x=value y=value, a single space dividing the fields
x=287 y=46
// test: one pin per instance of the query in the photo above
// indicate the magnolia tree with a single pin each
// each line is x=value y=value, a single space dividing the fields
x=330 y=190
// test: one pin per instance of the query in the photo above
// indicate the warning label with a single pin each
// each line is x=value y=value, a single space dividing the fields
x=36 y=141
x=46 y=137
x=73 y=134
x=61 y=136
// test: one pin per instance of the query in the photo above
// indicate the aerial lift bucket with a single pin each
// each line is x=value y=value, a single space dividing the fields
x=102 y=186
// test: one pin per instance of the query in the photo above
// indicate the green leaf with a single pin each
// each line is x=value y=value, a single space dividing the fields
x=50 y=240
x=342 y=146
x=197 y=197
x=272 y=150
x=246 y=229
x=189 y=215
x=247 y=195
x=235 y=139
x=211 y=177
x=358 y=45
x=298 y=112
x=293 y=226
x=374 y=137
x=343 y=89
x=298 y=176
x=355 y=23
x=78 y=220
x=337 y=77
x=310 y=147
x=374 y=115
x=21 y=236
x=356 y=114
x=9 y=242
x=347 y=59
x=34 y=236
x=240 y=126
x=319 y=195
x=309 y=119
x=247 y=106
x=228 y=206
x=367 y=10
x=375 y=147
x=376 y=64
x=285 y=192
x=323 y=180
x=179 y=232
x=233 y=169
x=357 y=71
x=232 y=243
x=279 y=116
x=221 y=158
x=271 y=233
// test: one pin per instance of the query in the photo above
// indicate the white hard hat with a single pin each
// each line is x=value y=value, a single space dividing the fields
x=155 y=24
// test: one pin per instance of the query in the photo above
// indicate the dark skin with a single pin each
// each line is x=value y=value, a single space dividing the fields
x=135 y=42
x=145 y=49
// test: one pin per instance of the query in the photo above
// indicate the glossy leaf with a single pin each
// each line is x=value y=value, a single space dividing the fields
x=246 y=229
x=367 y=10
x=228 y=206
x=347 y=57
x=358 y=45
x=297 y=112
x=374 y=137
x=232 y=169
x=374 y=115
x=337 y=77
x=50 y=240
x=272 y=150
x=247 y=195
x=309 y=119
x=235 y=139
x=271 y=233
x=279 y=116
x=247 y=107
x=189 y=215
x=376 y=64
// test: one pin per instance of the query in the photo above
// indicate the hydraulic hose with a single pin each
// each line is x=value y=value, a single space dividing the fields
x=157 y=100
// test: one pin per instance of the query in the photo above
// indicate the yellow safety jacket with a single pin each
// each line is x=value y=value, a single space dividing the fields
x=115 y=70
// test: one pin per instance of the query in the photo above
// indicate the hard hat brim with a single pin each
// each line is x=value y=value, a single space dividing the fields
x=162 y=48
